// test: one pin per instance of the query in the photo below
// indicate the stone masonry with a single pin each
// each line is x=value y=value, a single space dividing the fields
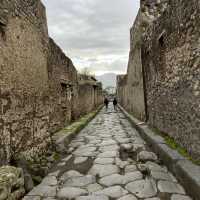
x=121 y=89
x=132 y=85
x=171 y=59
x=90 y=93
x=39 y=88
x=11 y=183
x=63 y=83
x=24 y=100
x=170 y=69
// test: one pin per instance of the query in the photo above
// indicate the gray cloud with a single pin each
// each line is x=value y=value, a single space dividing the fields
x=93 y=33
x=114 y=66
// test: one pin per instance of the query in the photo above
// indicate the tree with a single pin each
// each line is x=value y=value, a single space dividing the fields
x=87 y=71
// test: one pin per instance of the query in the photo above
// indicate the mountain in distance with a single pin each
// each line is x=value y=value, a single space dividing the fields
x=107 y=79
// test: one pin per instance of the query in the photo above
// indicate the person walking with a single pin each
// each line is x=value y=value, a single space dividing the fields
x=115 y=103
x=106 y=102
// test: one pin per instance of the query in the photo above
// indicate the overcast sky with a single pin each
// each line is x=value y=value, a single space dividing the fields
x=93 y=33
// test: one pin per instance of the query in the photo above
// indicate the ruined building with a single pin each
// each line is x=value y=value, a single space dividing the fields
x=39 y=86
x=63 y=82
x=128 y=86
x=162 y=84
x=89 y=97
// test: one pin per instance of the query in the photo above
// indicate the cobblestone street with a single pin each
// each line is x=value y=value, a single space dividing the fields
x=109 y=160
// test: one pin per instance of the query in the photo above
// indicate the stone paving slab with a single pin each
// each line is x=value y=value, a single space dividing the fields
x=189 y=174
x=142 y=188
x=108 y=160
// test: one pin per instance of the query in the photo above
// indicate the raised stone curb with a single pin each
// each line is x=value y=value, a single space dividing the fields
x=187 y=172
x=62 y=139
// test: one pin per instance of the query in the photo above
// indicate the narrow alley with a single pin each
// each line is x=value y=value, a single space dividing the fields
x=109 y=160
x=61 y=61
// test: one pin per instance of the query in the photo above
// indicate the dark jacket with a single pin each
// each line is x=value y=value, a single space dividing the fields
x=106 y=101
x=115 y=102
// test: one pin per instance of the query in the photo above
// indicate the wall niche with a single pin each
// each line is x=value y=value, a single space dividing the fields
x=2 y=30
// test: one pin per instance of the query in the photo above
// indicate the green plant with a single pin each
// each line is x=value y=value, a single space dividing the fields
x=56 y=156
x=174 y=145
x=81 y=123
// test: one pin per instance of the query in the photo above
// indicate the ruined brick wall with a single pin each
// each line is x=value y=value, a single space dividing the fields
x=131 y=90
x=24 y=102
x=99 y=95
x=134 y=92
x=171 y=59
x=90 y=94
x=39 y=91
x=63 y=87
x=165 y=48
x=121 y=89
x=85 y=98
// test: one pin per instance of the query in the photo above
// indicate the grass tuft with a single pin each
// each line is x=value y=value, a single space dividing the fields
x=56 y=156
x=174 y=145
x=80 y=123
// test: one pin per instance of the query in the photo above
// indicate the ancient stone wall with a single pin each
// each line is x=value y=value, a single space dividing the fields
x=121 y=89
x=99 y=94
x=131 y=88
x=171 y=59
x=164 y=70
x=85 y=104
x=89 y=94
x=134 y=92
x=63 y=87
x=39 y=91
x=24 y=100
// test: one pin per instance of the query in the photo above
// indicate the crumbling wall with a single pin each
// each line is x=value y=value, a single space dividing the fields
x=171 y=59
x=90 y=94
x=131 y=90
x=39 y=91
x=121 y=89
x=63 y=87
x=24 y=100
x=86 y=98
x=163 y=77
x=134 y=83
x=98 y=95
x=132 y=95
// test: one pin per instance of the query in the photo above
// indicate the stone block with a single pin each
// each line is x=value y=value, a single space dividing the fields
x=11 y=183
x=189 y=175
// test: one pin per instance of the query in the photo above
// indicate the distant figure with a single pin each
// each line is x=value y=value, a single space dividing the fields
x=106 y=102
x=115 y=103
